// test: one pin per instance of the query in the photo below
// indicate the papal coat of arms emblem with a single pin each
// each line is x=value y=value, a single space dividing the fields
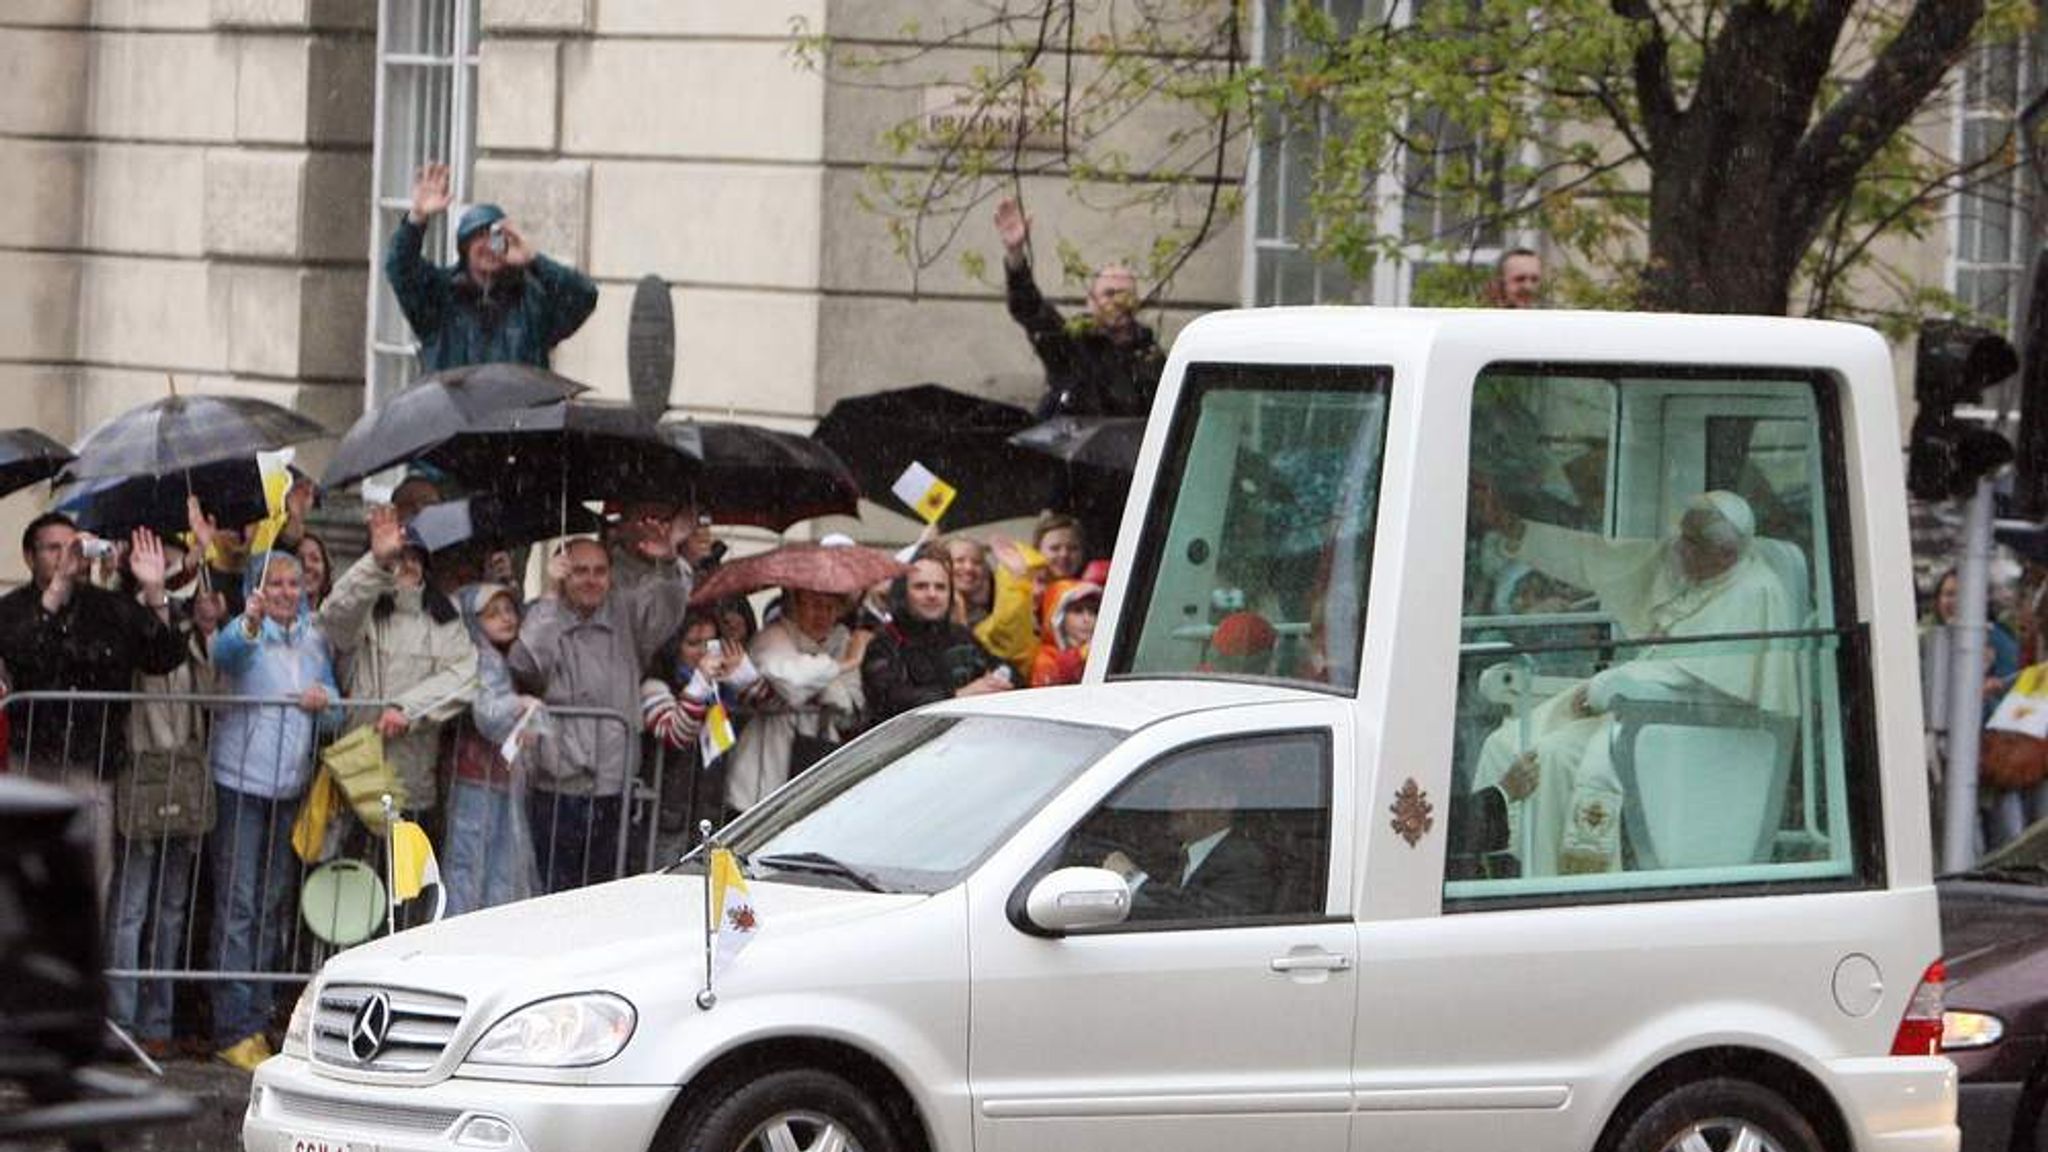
x=1411 y=809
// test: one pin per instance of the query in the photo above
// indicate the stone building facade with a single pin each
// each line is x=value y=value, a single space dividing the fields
x=199 y=190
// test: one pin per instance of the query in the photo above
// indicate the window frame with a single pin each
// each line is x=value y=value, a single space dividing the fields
x=1391 y=281
x=1197 y=380
x=1324 y=741
x=1863 y=807
x=389 y=366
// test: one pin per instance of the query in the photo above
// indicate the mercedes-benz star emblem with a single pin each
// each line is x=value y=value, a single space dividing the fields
x=368 y=1031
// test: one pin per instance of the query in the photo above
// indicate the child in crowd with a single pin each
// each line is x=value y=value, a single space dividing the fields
x=488 y=857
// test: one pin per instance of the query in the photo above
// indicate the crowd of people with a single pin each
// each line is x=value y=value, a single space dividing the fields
x=519 y=726
x=503 y=718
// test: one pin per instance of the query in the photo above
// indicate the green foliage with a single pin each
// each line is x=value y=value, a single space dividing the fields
x=1493 y=120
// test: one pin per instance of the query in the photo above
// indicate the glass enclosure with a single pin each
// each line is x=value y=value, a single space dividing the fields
x=1659 y=673
x=1255 y=560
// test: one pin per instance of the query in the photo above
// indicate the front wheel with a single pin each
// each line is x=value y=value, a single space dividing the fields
x=1720 y=1115
x=792 y=1110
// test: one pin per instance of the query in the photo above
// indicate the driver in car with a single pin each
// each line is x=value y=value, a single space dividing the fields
x=1218 y=873
x=1704 y=580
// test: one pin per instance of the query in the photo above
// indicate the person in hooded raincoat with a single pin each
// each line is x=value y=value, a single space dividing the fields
x=405 y=643
x=1067 y=623
x=262 y=757
x=921 y=656
x=1705 y=580
x=488 y=856
x=500 y=302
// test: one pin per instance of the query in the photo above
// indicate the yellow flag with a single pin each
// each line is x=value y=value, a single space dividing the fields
x=924 y=492
x=413 y=866
x=276 y=470
x=309 y=830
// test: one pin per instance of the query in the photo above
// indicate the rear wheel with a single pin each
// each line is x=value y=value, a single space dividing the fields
x=1720 y=1115
x=792 y=1110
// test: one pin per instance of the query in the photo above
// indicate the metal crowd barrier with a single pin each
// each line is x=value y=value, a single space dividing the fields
x=155 y=888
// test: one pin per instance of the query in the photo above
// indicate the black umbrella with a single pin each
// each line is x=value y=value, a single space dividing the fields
x=557 y=454
x=963 y=439
x=493 y=522
x=28 y=457
x=436 y=409
x=1108 y=442
x=231 y=491
x=759 y=476
x=165 y=438
x=1100 y=454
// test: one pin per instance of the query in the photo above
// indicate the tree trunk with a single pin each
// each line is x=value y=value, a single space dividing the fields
x=1743 y=177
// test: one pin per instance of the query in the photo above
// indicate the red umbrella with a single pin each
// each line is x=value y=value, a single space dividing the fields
x=843 y=569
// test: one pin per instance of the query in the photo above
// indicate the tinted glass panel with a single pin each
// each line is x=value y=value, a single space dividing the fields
x=1256 y=553
x=1659 y=682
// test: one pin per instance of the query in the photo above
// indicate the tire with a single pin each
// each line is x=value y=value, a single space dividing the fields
x=808 y=1106
x=1717 y=1115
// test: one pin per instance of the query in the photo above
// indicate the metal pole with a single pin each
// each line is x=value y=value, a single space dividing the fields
x=1966 y=687
x=707 y=997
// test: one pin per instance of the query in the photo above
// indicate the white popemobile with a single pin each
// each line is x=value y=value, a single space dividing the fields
x=1503 y=728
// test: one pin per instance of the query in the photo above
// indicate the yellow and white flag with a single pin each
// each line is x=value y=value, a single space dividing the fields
x=926 y=494
x=717 y=735
x=730 y=902
x=413 y=867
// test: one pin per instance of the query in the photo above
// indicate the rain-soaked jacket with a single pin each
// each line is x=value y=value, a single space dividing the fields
x=1057 y=661
x=912 y=662
x=266 y=750
x=519 y=318
x=594 y=661
x=406 y=645
x=494 y=712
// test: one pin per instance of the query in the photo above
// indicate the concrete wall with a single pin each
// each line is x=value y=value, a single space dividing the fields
x=674 y=139
x=185 y=187
x=638 y=136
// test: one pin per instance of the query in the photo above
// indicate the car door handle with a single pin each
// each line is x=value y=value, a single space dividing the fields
x=1313 y=962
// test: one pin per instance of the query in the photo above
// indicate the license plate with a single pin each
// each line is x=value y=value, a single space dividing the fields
x=289 y=1142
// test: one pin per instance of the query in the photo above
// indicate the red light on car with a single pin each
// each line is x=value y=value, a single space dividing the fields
x=1919 y=1031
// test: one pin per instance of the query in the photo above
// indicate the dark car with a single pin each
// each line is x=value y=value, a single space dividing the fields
x=1994 y=939
x=52 y=996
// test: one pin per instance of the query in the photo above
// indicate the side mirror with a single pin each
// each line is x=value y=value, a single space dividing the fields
x=1072 y=898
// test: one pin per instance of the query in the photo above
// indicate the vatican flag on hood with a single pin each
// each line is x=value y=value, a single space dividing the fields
x=734 y=908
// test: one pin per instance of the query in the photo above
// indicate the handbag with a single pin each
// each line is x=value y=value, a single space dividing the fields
x=166 y=794
x=2015 y=752
x=357 y=763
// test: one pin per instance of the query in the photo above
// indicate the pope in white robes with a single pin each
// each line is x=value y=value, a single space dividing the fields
x=1704 y=581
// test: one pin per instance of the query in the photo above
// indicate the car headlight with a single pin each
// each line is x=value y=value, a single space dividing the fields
x=297 y=1033
x=1961 y=1031
x=565 y=1032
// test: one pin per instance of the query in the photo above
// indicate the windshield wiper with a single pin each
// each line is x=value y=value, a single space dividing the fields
x=819 y=863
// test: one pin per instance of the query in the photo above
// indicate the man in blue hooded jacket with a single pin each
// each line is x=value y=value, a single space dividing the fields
x=500 y=302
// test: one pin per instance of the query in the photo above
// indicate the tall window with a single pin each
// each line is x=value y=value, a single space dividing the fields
x=1280 y=268
x=1990 y=236
x=426 y=112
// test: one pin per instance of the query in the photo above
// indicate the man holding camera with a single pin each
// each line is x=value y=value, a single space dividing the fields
x=500 y=302
x=60 y=633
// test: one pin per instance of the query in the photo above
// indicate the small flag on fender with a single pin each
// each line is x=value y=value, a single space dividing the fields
x=925 y=493
x=734 y=908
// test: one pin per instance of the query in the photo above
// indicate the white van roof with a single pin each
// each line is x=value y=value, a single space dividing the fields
x=1398 y=336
